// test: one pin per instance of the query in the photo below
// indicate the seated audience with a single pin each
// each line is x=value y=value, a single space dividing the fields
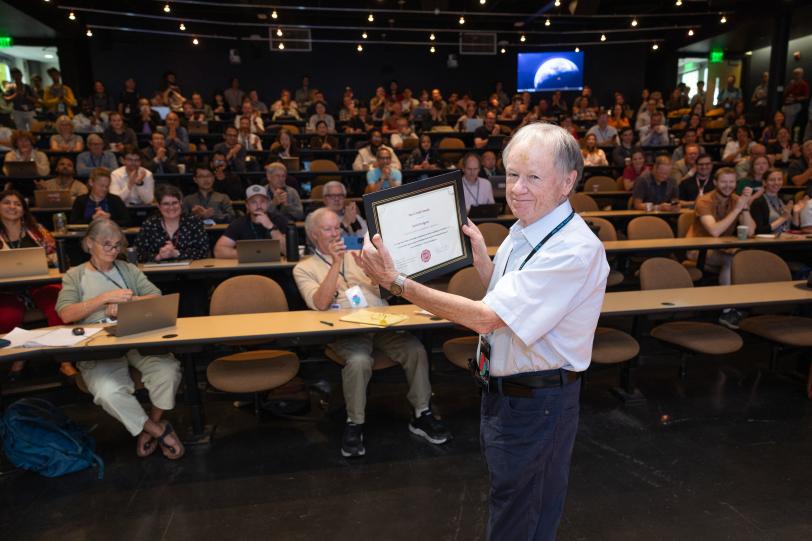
x=737 y=149
x=284 y=199
x=147 y=120
x=95 y=156
x=424 y=156
x=246 y=139
x=255 y=123
x=258 y=105
x=324 y=281
x=619 y=120
x=258 y=223
x=64 y=179
x=689 y=137
x=403 y=133
x=64 y=140
x=685 y=167
x=799 y=171
x=656 y=133
x=696 y=185
x=205 y=204
x=476 y=190
x=99 y=202
x=285 y=108
x=802 y=211
x=483 y=134
x=20 y=229
x=635 y=169
x=334 y=198
x=623 y=152
x=769 y=212
x=171 y=233
x=133 y=183
x=769 y=134
x=469 y=121
x=322 y=140
x=656 y=187
x=384 y=175
x=285 y=145
x=593 y=156
x=231 y=148
x=176 y=138
x=755 y=176
x=321 y=115
x=233 y=95
x=89 y=120
x=225 y=181
x=157 y=158
x=100 y=98
x=782 y=151
x=367 y=155
x=604 y=133
x=23 y=144
x=91 y=293
x=118 y=137
x=202 y=107
x=490 y=167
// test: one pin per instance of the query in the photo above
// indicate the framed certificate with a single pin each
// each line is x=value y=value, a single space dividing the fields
x=421 y=225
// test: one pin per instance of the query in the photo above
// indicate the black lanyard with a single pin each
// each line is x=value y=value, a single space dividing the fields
x=467 y=189
x=109 y=279
x=538 y=246
x=341 y=272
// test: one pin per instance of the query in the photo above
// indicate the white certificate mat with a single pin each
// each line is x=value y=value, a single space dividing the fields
x=421 y=231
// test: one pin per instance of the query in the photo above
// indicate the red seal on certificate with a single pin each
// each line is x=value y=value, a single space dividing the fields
x=425 y=255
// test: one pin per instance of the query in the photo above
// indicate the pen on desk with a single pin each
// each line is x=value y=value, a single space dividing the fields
x=326 y=323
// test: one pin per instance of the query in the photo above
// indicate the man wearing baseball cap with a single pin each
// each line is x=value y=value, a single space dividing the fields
x=258 y=223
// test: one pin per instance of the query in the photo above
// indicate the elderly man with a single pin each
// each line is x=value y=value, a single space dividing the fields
x=159 y=159
x=686 y=167
x=656 y=187
x=133 y=183
x=95 y=156
x=718 y=213
x=258 y=223
x=537 y=320
x=333 y=279
x=284 y=199
x=477 y=190
x=334 y=198
x=64 y=179
x=206 y=204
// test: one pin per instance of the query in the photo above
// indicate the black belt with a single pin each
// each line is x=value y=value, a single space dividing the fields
x=523 y=386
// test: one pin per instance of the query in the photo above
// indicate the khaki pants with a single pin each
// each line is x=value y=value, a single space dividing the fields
x=403 y=348
x=721 y=259
x=112 y=387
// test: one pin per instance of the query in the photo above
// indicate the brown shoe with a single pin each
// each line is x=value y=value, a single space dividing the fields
x=67 y=369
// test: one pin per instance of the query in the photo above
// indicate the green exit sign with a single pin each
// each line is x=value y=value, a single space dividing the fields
x=717 y=56
x=689 y=66
x=5 y=41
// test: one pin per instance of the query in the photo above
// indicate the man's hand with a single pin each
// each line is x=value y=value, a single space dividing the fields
x=116 y=296
x=111 y=310
x=376 y=261
x=199 y=211
x=479 y=249
x=99 y=213
x=280 y=197
x=160 y=154
x=744 y=199
x=336 y=249
x=262 y=219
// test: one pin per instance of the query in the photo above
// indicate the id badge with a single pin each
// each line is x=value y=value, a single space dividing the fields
x=356 y=297
x=481 y=365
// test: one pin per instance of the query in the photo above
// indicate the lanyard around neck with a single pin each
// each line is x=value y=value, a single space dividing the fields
x=109 y=279
x=538 y=246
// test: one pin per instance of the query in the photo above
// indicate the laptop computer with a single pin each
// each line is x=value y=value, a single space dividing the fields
x=21 y=169
x=292 y=164
x=258 y=251
x=499 y=185
x=146 y=315
x=23 y=262
x=198 y=128
x=51 y=199
x=483 y=211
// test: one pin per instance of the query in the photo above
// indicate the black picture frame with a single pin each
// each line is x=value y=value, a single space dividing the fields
x=454 y=178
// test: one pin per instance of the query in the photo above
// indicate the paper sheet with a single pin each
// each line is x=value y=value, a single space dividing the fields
x=60 y=337
x=378 y=319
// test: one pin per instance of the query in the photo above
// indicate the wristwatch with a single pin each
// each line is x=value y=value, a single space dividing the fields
x=396 y=287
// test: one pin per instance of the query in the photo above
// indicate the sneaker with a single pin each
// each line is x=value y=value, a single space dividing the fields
x=428 y=427
x=352 y=442
x=731 y=318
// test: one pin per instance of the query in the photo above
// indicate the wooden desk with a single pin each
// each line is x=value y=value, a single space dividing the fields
x=703 y=243
x=131 y=231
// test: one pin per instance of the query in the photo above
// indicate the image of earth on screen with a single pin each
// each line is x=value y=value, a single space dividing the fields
x=538 y=72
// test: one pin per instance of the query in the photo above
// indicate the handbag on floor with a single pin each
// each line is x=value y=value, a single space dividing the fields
x=38 y=436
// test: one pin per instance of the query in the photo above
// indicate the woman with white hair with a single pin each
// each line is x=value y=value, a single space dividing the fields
x=64 y=140
x=91 y=293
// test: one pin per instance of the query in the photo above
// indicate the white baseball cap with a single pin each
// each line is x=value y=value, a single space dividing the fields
x=255 y=189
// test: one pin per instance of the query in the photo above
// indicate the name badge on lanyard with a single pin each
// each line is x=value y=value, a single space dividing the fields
x=481 y=365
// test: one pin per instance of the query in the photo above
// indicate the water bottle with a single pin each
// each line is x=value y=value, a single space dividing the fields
x=292 y=243
x=62 y=260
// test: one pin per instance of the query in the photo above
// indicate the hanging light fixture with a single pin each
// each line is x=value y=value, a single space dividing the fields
x=89 y=33
x=279 y=32
x=72 y=16
x=723 y=20
x=603 y=37
x=691 y=32
x=503 y=51
x=182 y=27
x=462 y=19
x=522 y=38
x=634 y=21
x=655 y=47
x=482 y=2
x=547 y=22
x=274 y=15
x=371 y=18
x=281 y=46
x=364 y=35
x=360 y=48
x=432 y=49
x=167 y=9
x=558 y=3
x=678 y=3
x=431 y=36
x=577 y=49
x=195 y=42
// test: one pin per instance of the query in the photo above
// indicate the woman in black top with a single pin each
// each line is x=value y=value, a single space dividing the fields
x=99 y=202
x=170 y=234
x=424 y=156
x=285 y=145
x=771 y=214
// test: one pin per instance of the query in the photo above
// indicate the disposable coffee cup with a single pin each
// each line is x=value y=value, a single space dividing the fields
x=741 y=232
x=182 y=168
x=649 y=207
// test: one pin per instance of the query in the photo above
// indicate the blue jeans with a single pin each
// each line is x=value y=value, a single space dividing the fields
x=528 y=445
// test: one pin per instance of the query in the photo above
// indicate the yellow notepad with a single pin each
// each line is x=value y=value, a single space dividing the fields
x=378 y=319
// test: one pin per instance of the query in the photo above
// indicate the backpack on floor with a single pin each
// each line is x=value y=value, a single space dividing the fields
x=38 y=436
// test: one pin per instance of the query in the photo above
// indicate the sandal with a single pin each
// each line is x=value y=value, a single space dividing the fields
x=172 y=452
x=144 y=448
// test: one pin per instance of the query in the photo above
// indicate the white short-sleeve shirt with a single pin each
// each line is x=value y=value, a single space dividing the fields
x=479 y=193
x=551 y=306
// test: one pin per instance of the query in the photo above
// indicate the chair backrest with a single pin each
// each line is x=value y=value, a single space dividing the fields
x=620 y=185
x=466 y=283
x=600 y=183
x=606 y=231
x=447 y=147
x=249 y=294
x=684 y=222
x=755 y=266
x=317 y=192
x=494 y=233
x=322 y=165
x=649 y=227
x=410 y=143
x=663 y=273
x=293 y=130
x=583 y=203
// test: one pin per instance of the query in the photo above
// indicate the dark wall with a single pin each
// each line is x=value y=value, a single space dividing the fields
x=206 y=67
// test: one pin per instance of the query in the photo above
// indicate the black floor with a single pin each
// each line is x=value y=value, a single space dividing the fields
x=724 y=454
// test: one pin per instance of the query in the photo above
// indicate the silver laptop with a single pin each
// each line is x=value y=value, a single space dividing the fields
x=23 y=262
x=21 y=169
x=146 y=315
x=258 y=251
x=292 y=164
x=52 y=199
